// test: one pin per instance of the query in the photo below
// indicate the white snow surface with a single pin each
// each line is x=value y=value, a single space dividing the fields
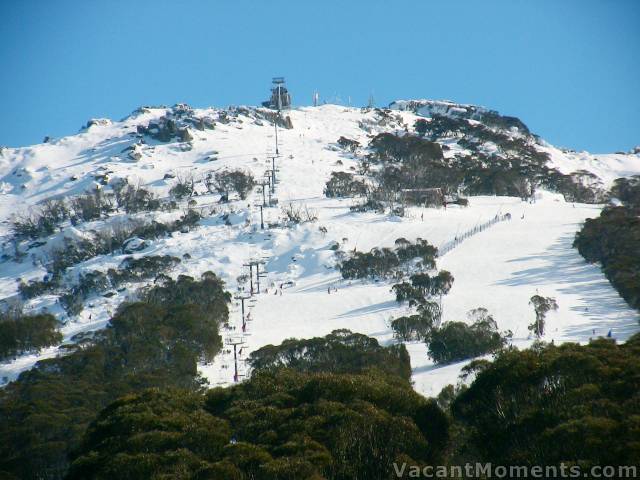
x=499 y=268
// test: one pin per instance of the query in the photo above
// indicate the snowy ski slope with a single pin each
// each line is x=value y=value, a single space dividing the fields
x=499 y=268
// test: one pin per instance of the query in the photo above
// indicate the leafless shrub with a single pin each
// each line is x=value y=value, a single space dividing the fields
x=299 y=213
x=184 y=186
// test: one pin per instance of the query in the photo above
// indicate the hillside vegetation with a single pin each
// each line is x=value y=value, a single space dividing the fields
x=544 y=406
x=613 y=240
x=184 y=298
x=156 y=342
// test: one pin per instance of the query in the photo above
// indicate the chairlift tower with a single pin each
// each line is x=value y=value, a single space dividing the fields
x=235 y=342
x=242 y=299
x=278 y=82
x=265 y=189
x=280 y=96
x=261 y=206
x=258 y=274
x=251 y=264
x=273 y=173
x=280 y=99
x=268 y=178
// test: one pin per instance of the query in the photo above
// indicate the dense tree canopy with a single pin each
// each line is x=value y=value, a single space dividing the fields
x=154 y=343
x=150 y=435
x=291 y=420
x=346 y=426
x=547 y=405
x=343 y=184
x=613 y=239
x=339 y=352
x=278 y=425
x=384 y=262
x=457 y=340
x=627 y=190
x=516 y=168
x=21 y=333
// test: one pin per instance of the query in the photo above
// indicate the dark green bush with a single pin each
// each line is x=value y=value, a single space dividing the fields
x=136 y=269
x=613 y=239
x=134 y=198
x=384 y=262
x=412 y=327
x=570 y=404
x=150 y=344
x=339 y=352
x=35 y=288
x=280 y=425
x=379 y=262
x=228 y=181
x=20 y=333
x=343 y=184
x=627 y=190
x=456 y=341
x=348 y=144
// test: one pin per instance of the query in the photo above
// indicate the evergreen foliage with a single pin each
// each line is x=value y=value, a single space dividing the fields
x=542 y=306
x=154 y=343
x=627 y=190
x=343 y=184
x=155 y=434
x=339 y=352
x=76 y=251
x=20 y=333
x=551 y=404
x=379 y=262
x=184 y=186
x=228 y=181
x=135 y=198
x=43 y=219
x=516 y=168
x=613 y=239
x=423 y=287
x=456 y=341
x=422 y=291
x=384 y=262
x=280 y=424
x=412 y=327
x=348 y=144
x=130 y=270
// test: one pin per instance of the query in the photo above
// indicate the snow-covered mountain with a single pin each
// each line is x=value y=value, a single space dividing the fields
x=302 y=294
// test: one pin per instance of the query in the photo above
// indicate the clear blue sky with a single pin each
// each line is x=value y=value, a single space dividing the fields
x=570 y=69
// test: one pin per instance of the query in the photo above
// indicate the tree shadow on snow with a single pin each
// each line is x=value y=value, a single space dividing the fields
x=369 y=309
x=599 y=303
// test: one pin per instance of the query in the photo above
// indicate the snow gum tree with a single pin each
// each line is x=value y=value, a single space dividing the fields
x=541 y=305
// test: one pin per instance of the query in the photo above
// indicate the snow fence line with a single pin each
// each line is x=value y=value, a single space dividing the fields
x=449 y=245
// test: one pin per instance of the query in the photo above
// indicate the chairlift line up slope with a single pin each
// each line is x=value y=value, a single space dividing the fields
x=499 y=268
